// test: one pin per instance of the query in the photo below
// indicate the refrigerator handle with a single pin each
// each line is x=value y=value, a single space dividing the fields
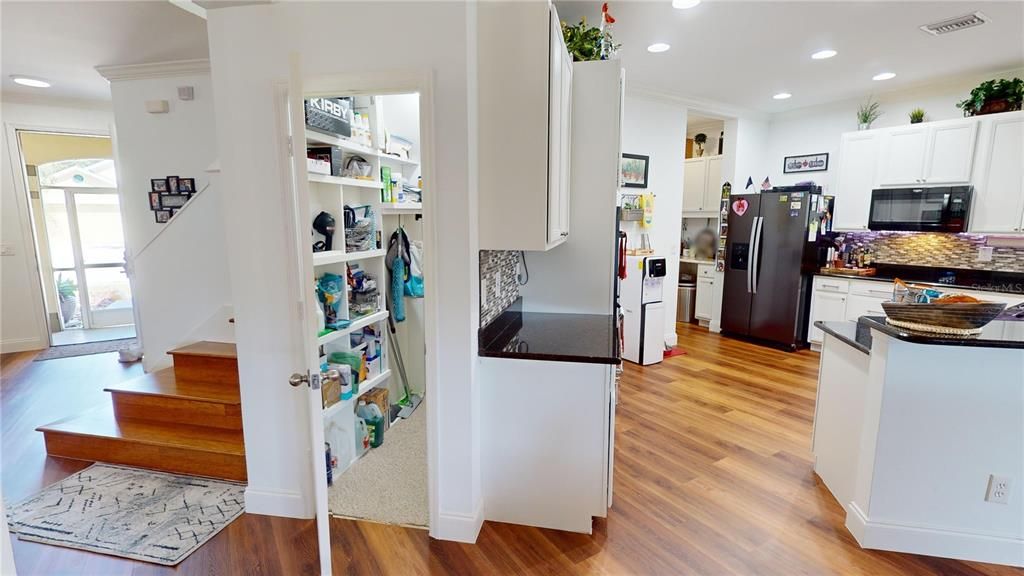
x=755 y=261
x=750 y=255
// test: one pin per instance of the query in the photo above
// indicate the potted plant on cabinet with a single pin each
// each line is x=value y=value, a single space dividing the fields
x=917 y=116
x=586 y=43
x=699 y=140
x=867 y=113
x=994 y=96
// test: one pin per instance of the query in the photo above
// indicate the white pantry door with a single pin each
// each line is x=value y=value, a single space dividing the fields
x=307 y=380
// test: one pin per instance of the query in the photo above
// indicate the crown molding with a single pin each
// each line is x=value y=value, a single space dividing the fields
x=155 y=70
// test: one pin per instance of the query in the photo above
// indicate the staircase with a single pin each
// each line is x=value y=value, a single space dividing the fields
x=186 y=419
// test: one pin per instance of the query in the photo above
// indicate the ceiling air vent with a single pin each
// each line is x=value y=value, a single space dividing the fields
x=955 y=24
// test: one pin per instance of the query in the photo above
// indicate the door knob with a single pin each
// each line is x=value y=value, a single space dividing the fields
x=297 y=379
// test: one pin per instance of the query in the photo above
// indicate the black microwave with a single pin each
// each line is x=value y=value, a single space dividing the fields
x=931 y=209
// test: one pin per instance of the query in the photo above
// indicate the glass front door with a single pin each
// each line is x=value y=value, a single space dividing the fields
x=86 y=242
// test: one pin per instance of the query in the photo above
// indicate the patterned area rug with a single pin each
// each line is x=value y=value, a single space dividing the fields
x=69 y=350
x=140 y=514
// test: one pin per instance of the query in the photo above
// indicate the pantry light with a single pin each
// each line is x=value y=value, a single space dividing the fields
x=658 y=47
x=823 y=54
x=29 y=81
x=782 y=96
x=883 y=76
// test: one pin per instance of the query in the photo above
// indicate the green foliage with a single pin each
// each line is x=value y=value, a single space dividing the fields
x=67 y=288
x=584 y=42
x=917 y=115
x=869 y=111
x=991 y=90
x=700 y=138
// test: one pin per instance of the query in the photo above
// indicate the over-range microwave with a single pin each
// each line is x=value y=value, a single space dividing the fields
x=925 y=209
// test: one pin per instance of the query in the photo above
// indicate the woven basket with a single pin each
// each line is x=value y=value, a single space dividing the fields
x=963 y=315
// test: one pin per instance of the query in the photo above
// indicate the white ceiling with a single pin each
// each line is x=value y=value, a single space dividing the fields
x=741 y=53
x=63 y=42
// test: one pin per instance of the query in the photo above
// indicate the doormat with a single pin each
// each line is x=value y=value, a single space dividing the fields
x=674 y=351
x=69 y=350
x=140 y=514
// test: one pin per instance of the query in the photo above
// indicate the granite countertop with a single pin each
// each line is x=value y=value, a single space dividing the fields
x=855 y=334
x=585 y=338
x=986 y=280
x=996 y=334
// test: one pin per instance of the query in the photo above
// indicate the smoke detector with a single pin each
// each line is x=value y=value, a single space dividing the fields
x=955 y=24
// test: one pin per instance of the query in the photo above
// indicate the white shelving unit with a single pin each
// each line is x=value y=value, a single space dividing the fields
x=402 y=208
x=400 y=162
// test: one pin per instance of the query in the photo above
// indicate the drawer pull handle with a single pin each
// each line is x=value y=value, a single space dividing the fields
x=836 y=286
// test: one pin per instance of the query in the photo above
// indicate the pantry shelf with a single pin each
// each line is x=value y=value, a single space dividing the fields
x=336 y=256
x=356 y=325
x=317 y=137
x=402 y=208
x=399 y=161
x=364 y=387
x=342 y=181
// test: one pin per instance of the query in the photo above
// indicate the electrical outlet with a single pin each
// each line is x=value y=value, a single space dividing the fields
x=985 y=254
x=998 y=489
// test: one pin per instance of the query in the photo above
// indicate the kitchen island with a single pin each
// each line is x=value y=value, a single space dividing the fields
x=908 y=429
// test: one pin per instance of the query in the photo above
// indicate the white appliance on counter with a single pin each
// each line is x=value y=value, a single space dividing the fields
x=643 y=310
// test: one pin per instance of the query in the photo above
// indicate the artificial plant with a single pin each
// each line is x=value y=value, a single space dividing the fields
x=587 y=43
x=991 y=96
x=917 y=115
x=868 y=112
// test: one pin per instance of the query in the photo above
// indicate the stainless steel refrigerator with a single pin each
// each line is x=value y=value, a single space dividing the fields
x=771 y=255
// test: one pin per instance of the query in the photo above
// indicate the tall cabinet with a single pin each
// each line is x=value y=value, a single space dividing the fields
x=702 y=186
x=525 y=126
x=999 y=193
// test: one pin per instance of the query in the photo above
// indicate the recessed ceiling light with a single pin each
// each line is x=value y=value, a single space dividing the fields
x=684 y=4
x=658 y=47
x=782 y=96
x=883 y=76
x=29 y=81
x=823 y=54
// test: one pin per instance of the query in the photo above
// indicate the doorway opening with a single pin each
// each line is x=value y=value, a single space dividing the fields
x=79 y=235
x=377 y=432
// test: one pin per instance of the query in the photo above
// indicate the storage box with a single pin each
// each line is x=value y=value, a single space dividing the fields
x=317 y=166
x=330 y=115
x=379 y=396
x=330 y=391
x=330 y=154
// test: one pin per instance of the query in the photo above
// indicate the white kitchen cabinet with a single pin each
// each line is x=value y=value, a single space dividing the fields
x=702 y=309
x=999 y=187
x=702 y=186
x=858 y=160
x=524 y=126
x=932 y=153
x=858 y=305
x=828 y=304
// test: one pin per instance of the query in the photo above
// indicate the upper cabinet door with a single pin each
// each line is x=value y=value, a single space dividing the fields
x=713 y=185
x=695 y=173
x=951 y=154
x=556 y=165
x=904 y=161
x=999 y=193
x=566 y=128
x=857 y=161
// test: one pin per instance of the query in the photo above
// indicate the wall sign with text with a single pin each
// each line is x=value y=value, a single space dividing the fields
x=805 y=163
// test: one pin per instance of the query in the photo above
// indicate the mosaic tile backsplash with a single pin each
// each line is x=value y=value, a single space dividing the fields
x=938 y=250
x=500 y=264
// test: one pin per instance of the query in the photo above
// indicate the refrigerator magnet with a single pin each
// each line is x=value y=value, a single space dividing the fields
x=783 y=198
x=795 y=205
x=794 y=213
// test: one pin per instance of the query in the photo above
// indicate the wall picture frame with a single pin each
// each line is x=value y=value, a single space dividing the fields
x=186 y=185
x=172 y=184
x=162 y=216
x=633 y=170
x=154 y=201
x=173 y=201
x=805 y=163
x=158 y=184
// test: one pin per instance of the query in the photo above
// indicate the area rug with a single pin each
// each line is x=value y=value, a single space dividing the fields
x=69 y=350
x=389 y=483
x=140 y=514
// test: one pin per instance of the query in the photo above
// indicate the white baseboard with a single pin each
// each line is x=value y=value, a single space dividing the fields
x=933 y=541
x=23 y=345
x=277 y=503
x=458 y=527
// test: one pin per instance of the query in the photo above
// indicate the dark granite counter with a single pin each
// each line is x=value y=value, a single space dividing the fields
x=997 y=334
x=987 y=280
x=855 y=334
x=586 y=338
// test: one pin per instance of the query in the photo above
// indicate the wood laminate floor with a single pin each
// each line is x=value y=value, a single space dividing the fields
x=712 y=476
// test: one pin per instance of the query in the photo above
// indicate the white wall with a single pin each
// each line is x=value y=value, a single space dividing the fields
x=249 y=50
x=658 y=129
x=819 y=128
x=22 y=320
x=180 y=278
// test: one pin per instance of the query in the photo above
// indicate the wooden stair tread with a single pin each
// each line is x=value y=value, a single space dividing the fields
x=209 y=349
x=163 y=383
x=100 y=422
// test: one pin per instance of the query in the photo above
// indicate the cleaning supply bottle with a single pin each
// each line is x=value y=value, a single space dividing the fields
x=362 y=437
x=374 y=422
